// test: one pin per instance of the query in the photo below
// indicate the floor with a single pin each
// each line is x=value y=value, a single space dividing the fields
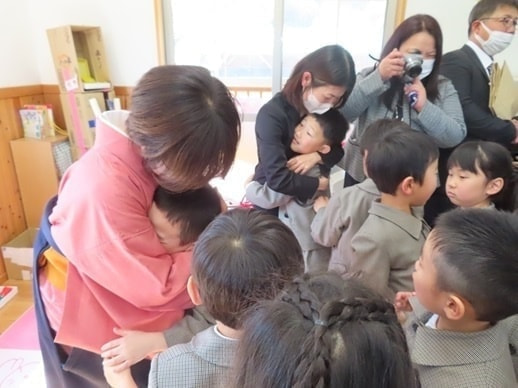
x=16 y=306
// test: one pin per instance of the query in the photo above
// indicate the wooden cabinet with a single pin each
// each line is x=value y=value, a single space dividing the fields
x=36 y=164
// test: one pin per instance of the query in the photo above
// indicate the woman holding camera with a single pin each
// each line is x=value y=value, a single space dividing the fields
x=395 y=88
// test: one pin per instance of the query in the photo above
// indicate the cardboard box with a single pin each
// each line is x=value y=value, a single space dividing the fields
x=18 y=255
x=80 y=118
x=38 y=181
x=79 y=58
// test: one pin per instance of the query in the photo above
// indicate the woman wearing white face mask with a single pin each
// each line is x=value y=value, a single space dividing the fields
x=321 y=80
x=428 y=103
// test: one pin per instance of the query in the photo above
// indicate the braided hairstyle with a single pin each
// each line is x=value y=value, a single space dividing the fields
x=324 y=332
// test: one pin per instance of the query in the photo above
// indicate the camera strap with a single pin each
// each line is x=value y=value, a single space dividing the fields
x=398 y=111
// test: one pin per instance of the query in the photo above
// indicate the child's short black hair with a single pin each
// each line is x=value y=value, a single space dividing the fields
x=475 y=254
x=377 y=129
x=194 y=209
x=243 y=256
x=334 y=126
x=398 y=155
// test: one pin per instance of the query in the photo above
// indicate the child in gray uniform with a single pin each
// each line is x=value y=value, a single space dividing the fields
x=315 y=133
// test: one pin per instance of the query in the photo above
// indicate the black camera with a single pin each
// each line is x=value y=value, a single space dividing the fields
x=413 y=66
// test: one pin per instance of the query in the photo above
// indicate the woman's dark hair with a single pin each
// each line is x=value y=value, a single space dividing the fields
x=241 y=257
x=494 y=161
x=411 y=26
x=322 y=331
x=186 y=125
x=329 y=65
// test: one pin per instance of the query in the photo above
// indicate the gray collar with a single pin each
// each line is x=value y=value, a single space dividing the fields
x=413 y=224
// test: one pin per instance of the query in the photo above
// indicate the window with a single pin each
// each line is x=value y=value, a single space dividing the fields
x=252 y=45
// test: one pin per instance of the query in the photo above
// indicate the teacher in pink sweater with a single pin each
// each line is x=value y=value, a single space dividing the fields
x=99 y=261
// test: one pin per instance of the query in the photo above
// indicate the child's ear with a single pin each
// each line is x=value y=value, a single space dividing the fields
x=407 y=185
x=194 y=291
x=324 y=149
x=494 y=186
x=455 y=308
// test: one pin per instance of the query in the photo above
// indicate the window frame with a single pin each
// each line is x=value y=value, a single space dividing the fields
x=394 y=15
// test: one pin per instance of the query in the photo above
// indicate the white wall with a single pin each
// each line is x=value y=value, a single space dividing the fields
x=452 y=16
x=17 y=63
x=128 y=29
x=130 y=38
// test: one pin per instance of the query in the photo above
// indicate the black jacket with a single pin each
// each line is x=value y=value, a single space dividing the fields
x=469 y=77
x=274 y=129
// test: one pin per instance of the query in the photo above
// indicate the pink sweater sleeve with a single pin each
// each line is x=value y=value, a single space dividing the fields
x=101 y=224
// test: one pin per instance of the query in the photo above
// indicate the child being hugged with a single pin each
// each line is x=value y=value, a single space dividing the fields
x=178 y=219
x=315 y=133
x=463 y=331
x=481 y=174
x=242 y=256
x=403 y=165
x=339 y=218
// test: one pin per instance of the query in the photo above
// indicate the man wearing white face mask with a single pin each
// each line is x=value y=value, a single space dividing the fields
x=492 y=24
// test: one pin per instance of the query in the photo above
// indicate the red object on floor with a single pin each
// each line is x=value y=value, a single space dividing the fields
x=22 y=334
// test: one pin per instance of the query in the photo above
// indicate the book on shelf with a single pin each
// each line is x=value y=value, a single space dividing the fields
x=6 y=294
x=37 y=121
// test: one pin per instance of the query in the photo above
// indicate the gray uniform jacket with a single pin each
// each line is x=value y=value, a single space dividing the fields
x=386 y=247
x=336 y=224
x=443 y=119
x=462 y=360
x=295 y=214
x=204 y=362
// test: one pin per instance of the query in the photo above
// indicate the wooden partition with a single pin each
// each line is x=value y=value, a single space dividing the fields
x=12 y=218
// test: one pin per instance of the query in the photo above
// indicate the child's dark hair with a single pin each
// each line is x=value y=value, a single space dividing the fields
x=474 y=252
x=398 y=155
x=334 y=126
x=494 y=161
x=194 y=209
x=377 y=129
x=322 y=331
x=243 y=256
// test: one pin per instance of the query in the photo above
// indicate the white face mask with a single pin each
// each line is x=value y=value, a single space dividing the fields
x=314 y=106
x=497 y=41
x=426 y=68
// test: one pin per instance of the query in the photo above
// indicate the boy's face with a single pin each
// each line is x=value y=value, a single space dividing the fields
x=168 y=233
x=308 y=137
x=467 y=189
x=425 y=278
x=424 y=191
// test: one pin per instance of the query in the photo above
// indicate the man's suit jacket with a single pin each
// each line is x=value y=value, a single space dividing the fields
x=469 y=77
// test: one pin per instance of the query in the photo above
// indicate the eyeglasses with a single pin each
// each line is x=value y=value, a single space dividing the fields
x=507 y=21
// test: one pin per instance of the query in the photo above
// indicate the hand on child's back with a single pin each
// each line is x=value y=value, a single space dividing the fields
x=132 y=347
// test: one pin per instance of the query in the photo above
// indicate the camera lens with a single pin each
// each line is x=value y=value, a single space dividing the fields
x=413 y=65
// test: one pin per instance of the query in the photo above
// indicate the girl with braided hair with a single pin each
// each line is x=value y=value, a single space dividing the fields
x=324 y=332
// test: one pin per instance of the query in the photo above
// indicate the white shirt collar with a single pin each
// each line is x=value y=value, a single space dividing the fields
x=485 y=59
